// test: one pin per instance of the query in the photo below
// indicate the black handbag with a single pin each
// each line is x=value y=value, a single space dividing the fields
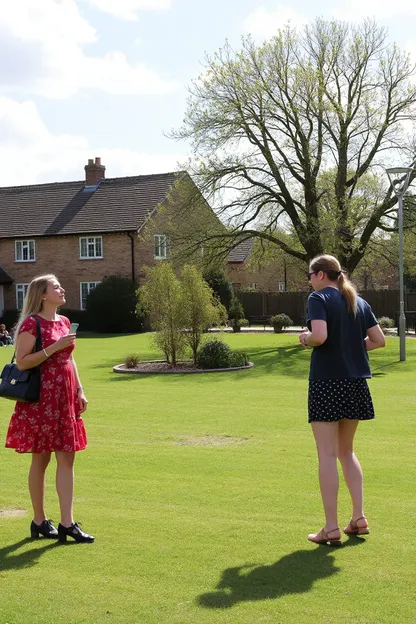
x=18 y=385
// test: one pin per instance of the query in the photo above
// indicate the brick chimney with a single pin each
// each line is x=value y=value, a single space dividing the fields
x=94 y=172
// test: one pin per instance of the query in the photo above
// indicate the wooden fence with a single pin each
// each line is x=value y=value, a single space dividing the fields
x=383 y=303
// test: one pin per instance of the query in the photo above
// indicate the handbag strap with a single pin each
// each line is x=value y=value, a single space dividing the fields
x=38 y=343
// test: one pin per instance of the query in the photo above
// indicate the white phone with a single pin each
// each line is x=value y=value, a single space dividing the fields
x=73 y=328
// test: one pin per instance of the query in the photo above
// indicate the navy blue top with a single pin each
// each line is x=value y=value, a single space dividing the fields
x=343 y=354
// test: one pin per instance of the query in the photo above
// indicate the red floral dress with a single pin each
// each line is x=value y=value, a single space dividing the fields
x=53 y=423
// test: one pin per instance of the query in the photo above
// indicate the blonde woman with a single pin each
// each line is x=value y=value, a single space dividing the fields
x=341 y=330
x=54 y=424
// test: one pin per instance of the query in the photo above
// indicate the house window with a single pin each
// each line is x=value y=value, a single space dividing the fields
x=91 y=247
x=254 y=286
x=25 y=251
x=161 y=246
x=21 y=290
x=281 y=286
x=85 y=289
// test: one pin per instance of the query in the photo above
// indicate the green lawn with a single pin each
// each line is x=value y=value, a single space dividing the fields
x=201 y=489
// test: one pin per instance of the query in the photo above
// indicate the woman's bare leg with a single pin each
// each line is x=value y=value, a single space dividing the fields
x=65 y=485
x=351 y=468
x=326 y=438
x=36 y=482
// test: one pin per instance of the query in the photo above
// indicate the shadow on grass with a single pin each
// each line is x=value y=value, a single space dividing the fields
x=10 y=560
x=292 y=574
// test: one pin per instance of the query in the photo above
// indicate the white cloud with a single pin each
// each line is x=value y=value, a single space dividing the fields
x=46 y=43
x=265 y=24
x=31 y=154
x=356 y=10
x=129 y=9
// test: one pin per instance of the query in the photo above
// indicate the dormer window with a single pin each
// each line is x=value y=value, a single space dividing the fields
x=90 y=247
x=25 y=251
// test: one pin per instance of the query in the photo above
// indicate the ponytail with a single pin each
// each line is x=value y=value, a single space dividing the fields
x=349 y=292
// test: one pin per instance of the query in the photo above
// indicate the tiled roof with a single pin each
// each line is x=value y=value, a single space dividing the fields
x=5 y=277
x=241 y=252
x=117 y=204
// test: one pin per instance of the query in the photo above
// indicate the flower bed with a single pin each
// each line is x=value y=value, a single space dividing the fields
x=162 y=367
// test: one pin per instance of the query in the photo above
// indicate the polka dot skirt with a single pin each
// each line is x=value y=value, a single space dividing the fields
x=330 y=400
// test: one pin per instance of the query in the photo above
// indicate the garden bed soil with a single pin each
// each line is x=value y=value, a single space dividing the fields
x=162 y=367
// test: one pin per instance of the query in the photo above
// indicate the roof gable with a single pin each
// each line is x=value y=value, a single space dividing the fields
x=241 y=251
x=114 y=205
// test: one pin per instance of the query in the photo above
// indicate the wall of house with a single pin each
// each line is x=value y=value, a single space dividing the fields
x=61 y=255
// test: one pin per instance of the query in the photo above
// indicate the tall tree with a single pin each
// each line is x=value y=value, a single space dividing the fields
x=161 y=298
x=200 y=307
x=267 y=122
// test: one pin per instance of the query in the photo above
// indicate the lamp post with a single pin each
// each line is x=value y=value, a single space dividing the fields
x=399 y=179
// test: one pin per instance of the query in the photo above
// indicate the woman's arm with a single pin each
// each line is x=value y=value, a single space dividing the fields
x=80 y=390
x=25 y=358
x=375 y=338
x=317 y=336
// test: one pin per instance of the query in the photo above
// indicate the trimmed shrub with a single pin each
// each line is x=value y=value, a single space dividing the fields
x=76 y=316
x=132 y=361
x=111 y=306
x=385 y=322
x=10 y=318
x=214 y=354
x=279 y=321
x=221 y=285
x=238 y=358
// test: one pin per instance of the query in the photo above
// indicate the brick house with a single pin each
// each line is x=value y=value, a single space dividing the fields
x=81 y=231
x=276 y=275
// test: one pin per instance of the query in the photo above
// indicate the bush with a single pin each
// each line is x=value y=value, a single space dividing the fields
x=243 y=322
x=236 y=311
x=132 y=361
x=385 y=322
x=238 y=358
x=76 y=316
x=221 y=285
x=10 y=318
x=281 y=319
x=214 y=354
x=111 y=306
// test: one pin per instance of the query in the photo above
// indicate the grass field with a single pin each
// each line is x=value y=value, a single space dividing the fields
x=201 y=489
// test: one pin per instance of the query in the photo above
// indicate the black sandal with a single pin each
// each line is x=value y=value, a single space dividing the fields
x=75 y=532
x=46 y=529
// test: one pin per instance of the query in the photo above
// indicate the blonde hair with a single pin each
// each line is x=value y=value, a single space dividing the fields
x=331 y=266
x=33 y=300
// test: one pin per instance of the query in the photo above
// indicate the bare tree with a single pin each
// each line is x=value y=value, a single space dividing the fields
x=267 y=122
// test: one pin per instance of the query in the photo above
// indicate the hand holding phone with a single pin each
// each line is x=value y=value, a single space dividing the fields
x=73 y=328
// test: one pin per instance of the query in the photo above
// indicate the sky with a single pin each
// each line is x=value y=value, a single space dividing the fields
x=109 y=78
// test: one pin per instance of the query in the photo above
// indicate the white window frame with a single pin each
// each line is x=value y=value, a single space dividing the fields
x=160 y=246
x=28 y=245
x=90 y=243
x=90 y=287
x=281 y=286
x=21 y=290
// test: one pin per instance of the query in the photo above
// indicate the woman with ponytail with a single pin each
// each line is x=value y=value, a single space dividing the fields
x=341 y=330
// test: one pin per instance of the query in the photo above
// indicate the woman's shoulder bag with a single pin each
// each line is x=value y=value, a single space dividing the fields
x=18 y=385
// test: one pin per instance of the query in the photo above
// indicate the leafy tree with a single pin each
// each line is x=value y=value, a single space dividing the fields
x=268 y=122
x=236 y=313
x=162 y=299
x=220 y=284
x=200 y=307
x=111 y=306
